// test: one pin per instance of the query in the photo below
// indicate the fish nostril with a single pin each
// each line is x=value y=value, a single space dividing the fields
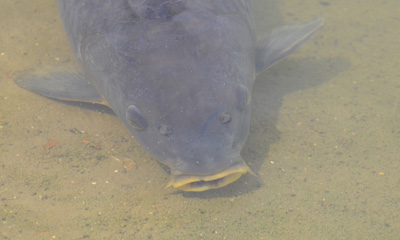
x=165 y=129
x=224 y=117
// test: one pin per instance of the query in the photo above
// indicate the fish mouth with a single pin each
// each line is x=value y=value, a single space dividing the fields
x=199 y=183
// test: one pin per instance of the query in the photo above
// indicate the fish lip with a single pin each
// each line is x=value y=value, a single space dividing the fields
x=200 y=183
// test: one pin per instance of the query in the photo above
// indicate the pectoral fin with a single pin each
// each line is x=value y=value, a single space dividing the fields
x=65 y=84
x=283 y=41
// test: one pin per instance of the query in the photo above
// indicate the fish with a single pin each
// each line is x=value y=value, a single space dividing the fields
x=178 y=74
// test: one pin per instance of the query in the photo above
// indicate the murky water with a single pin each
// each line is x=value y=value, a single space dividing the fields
x=324 y=141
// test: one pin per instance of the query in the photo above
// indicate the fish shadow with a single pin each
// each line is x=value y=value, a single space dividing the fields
x=268 y=91
x=95 y=107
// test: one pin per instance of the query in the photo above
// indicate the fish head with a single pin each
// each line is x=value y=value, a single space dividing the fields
x=192 y=93
x=196 y=126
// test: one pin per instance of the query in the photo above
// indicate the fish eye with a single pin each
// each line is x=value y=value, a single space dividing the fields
x=135 y=118
x=224 y=117
x=165 y=129
x=242 y=96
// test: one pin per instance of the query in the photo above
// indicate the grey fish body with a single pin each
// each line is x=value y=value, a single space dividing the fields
x=179 y=74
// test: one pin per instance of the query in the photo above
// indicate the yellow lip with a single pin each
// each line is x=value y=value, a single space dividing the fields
x=193 y=183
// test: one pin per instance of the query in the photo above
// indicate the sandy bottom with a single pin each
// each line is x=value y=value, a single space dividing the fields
x=324 y=141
